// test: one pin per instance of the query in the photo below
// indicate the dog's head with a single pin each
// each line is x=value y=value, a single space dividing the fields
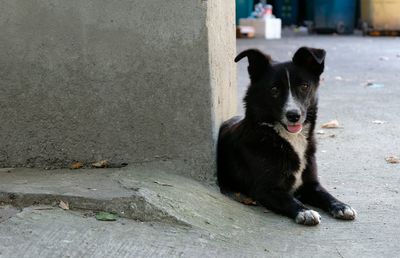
x=283 y=93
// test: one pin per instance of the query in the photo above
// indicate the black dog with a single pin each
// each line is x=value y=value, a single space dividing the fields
x=269 y=155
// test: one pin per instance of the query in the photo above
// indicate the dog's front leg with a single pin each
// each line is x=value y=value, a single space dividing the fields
x=315 y=195
x=285 y=204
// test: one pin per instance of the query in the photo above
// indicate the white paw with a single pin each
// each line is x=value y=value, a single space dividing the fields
x=308 y=217
x=344 y=212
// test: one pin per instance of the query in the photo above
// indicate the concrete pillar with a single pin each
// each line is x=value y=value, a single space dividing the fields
x=142 y=82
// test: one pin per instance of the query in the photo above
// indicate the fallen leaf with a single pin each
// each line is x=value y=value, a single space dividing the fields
x=248 y=201
x=392 y=159
x=100 y=164
x=378 y=122
x=245 y=200
x=106 y=216
x=63 y=205
x=331 y=124
x=76 y=165
x=163 y=184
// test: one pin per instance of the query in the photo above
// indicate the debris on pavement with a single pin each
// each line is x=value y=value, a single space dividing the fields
x=331 y=124
x=249 y=201
x=244 y=199
x=106 y=216
x=338 y=78
x=162 y=184
x=76 y=165
x=375 y=85
x=378 y=122
x=392 y=159
x=40 y=208
x=100 y=164
x=384 y=58
x=320 y=132
x=63 y=205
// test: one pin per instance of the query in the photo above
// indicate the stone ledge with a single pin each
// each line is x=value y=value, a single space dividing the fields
x=141 y=193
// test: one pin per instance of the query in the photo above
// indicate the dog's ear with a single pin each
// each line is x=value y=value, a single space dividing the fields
x=312 y=59
x=258 y=63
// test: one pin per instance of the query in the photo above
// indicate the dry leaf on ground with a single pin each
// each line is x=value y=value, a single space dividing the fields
x=76 y=165
x=249 y=201
x=392 y=159
x=331 y=124
x=245 y=200
x=100 y=164
x=63 y=205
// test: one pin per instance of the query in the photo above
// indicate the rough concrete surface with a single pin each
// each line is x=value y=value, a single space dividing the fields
x=351 y=164
x=93 y=80
x=207 y=223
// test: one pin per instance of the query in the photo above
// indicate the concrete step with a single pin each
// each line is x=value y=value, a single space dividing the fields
x=145 y=194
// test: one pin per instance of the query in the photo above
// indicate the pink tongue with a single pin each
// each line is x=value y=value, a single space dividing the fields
x=294 y=128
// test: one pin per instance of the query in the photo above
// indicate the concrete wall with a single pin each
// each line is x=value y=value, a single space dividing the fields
x=128 y=81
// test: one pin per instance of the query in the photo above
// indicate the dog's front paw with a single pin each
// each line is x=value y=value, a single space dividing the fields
x=343 y=211
x=308 y=217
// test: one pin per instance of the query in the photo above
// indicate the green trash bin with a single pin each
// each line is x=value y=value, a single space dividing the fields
x=244 y=8
x=334 y=16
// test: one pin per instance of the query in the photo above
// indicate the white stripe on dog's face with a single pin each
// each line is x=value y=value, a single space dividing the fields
x=290 y=101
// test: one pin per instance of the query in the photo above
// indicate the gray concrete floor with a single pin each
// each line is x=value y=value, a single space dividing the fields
x=351 y=165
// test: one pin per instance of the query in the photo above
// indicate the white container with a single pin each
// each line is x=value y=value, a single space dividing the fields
x=268 y=28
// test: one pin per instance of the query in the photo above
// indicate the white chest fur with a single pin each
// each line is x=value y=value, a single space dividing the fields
x=298 y=142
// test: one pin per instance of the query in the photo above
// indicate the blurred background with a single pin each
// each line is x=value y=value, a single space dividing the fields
x=261 y=18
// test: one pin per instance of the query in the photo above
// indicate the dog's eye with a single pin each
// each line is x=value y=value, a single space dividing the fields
x=274 y=92
x=304 y=87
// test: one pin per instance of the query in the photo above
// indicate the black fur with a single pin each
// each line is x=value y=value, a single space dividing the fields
x=254 y=159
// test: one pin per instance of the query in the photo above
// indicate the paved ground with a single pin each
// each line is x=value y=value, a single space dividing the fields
x=189 y=219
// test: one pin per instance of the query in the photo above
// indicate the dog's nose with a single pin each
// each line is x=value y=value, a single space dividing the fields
x=293 y=115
